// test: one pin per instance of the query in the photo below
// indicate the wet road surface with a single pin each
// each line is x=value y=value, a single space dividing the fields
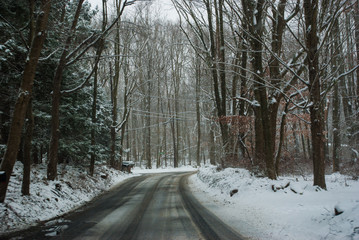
x=156 y=206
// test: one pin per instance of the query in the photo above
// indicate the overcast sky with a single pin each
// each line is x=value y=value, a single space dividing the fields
x=164 y=7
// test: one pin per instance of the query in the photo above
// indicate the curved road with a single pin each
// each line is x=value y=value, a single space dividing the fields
x=156 y=206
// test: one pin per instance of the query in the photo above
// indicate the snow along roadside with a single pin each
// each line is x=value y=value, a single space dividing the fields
x=258 y=212
x=50 y=199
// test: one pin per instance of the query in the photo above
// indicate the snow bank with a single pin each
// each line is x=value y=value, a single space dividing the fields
x=49 y=199
x=138 y=170
x=288 y=208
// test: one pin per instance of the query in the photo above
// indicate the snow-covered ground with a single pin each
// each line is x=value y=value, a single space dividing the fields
x=258 y=212
x=50 y=199
x=138 y=170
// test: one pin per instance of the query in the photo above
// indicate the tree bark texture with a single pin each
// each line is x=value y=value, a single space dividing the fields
x=264 y=139
x=316 y=114
x=24 y=96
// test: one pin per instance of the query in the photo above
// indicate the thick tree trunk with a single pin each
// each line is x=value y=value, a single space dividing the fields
x=114 y=91
x=316 y=113
x=264 y=146
x=281 y=139
x=24 y=96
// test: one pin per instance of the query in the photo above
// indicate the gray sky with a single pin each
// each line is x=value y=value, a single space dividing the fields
x=164 y=7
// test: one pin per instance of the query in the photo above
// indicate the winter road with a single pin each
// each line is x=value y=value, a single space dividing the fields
x=154 y=206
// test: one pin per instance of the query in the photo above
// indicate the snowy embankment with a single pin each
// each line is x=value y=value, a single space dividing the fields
x=289 y=208
x=50 y=199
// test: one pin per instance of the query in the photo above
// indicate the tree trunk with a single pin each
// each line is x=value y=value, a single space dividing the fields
x=24 y=96
x=243 y=88
x=56 y=97
x=114 y=87
x=281 y=138
x=355 y=127
x=35 y=154
x=148 y=116
x=177 y=124
x=339 y=68
x=94 y=100
x=356 y=19
x=164 y=138
x=159 y=147
x=4 y=119
x=125 y=104
x=264 y=147
x=219 y=84
x=93 y=131
x=336 y=130
x=175 y=150
x=212 y=147
x=198 y=113
x=316 y=113
x=29 y=126
x=165 y=143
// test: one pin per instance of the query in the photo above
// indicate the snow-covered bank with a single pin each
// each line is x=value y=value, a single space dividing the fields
x=50 y=199
x=138 y=170
x=259 y=212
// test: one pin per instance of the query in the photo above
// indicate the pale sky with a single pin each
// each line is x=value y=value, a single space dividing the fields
x=165 y=7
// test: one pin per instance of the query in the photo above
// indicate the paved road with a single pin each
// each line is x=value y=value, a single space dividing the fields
x=157 y=206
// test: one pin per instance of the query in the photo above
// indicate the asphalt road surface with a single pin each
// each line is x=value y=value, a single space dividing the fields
x=155 y=206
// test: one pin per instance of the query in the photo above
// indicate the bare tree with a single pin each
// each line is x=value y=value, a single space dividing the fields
x=316 y=115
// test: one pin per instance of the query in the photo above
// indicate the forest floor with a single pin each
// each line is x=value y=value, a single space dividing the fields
x=295 y=210
x=256 y=211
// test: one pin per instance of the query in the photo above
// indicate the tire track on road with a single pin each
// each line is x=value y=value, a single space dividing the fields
x=210 y=226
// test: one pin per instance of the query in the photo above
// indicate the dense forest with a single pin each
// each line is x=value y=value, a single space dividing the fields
x=271 y=86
